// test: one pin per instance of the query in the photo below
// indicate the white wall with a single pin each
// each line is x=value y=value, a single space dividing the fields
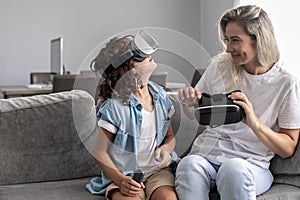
x=211 y=11
x=28 y=26
x=285 y=19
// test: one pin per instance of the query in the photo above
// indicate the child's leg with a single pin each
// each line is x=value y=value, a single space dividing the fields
x=160 y=186
x=113 y=193
x=117 y=195
x=164 y=193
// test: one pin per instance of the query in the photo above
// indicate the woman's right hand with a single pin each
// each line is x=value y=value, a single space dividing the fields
x=129 y=187
x=189 y=96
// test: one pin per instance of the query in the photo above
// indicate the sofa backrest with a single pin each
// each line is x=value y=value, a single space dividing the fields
x=47 y=137
x=85 y=81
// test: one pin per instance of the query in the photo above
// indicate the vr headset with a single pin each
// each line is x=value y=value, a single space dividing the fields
x=141 y=46
x=218 y=109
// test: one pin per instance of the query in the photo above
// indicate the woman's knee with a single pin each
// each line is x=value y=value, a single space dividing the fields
x=234 y=170
x=234 y=166
x=189 y=162
x=194 y=169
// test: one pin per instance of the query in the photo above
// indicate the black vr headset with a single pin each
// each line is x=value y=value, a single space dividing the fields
x=141 y=46
x=218 y=109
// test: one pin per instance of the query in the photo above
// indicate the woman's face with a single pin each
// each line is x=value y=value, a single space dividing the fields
x=240 y=45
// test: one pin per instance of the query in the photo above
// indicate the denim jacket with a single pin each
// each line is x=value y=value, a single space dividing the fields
x=128 y=120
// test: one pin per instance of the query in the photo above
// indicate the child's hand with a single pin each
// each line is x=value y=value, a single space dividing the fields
x=129 y=187
x=163 y=157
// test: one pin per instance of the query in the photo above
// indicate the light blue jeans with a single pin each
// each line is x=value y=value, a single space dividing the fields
x=236 y=179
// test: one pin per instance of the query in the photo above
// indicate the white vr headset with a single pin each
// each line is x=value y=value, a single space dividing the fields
x=141 y=46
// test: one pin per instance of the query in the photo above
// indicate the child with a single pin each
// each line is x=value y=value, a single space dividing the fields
x=134 y=119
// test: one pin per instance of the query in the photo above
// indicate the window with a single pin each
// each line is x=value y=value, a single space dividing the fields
x=285 y=19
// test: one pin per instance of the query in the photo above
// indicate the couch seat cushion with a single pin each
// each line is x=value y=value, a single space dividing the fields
x=59 y=190
x=281 y=192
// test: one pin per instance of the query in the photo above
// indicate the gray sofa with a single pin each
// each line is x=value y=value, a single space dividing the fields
x=46 y=143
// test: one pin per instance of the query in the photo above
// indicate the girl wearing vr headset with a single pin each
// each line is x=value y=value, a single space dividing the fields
x=235 y=158
x=134 y=119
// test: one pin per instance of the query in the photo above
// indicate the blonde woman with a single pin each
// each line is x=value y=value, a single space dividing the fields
x=235 y=158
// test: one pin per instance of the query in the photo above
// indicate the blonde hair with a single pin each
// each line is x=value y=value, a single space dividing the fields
x=256 y=23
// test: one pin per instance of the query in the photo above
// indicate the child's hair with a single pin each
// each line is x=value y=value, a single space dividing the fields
x=119 y=82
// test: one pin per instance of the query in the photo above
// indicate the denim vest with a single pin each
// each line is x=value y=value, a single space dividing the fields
x=128 y=120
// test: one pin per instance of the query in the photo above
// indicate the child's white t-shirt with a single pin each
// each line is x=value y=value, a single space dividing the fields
x=147 y=142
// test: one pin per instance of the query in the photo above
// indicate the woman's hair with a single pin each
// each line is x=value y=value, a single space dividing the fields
x=119 y=82
x=256 y=23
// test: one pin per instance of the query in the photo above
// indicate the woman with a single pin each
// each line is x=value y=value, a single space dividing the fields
x=135 y=131
x=235 y=158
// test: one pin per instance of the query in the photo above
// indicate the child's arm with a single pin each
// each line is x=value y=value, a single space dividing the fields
x=127 y=185
x=163 y=153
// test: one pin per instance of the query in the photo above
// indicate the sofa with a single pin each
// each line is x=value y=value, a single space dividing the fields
x=46 y=144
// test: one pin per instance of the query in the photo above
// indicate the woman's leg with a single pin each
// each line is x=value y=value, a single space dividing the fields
x=238 y=179
x=194 y=178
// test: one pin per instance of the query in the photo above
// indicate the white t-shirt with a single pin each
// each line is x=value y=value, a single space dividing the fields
x=275 y=96
x=147 y=142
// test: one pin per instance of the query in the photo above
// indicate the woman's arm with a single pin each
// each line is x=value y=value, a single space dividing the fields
x=282 y=143
x=189 y=96
x=127 y=185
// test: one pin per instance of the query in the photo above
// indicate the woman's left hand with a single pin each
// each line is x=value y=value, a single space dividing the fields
x=241 y=99
x=163 y=157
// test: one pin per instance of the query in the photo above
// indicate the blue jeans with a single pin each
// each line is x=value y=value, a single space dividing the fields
x=236 y=179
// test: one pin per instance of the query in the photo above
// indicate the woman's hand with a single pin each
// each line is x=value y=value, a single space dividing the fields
x=129 y=187
x=163 y=157
x=282 y=143
x=189 y=96
x=241 y=99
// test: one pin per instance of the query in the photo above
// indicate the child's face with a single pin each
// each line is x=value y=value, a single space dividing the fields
x=145 y=68
x=147 y=60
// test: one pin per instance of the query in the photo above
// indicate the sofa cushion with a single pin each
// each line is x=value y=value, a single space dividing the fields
x=286 y=166
x=47 y=137
x=287 y=170
x=59 y=190
x=281 y=192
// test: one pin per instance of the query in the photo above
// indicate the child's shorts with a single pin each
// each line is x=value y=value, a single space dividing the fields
x=161 y=178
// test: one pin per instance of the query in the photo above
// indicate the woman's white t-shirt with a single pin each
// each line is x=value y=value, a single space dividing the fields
x=275 y=96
